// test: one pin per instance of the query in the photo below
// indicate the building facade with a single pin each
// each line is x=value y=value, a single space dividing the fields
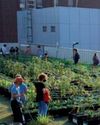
x=8 y=21
x=62 y=26
x=8 y=10
x=65 y=3
x=72 y=3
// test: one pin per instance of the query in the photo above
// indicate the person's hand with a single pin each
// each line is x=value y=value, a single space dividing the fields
x=19 y=95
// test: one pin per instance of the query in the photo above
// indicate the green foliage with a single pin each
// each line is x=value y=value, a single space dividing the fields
x=90 y=113
x=41 y=120
x=61 y=73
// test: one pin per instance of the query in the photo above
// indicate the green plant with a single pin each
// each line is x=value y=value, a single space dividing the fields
x=90 y=113
x=70 y=79
x=41 y=120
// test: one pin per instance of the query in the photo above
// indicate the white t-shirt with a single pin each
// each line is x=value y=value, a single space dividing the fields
x=15 y=90
x=4 y=50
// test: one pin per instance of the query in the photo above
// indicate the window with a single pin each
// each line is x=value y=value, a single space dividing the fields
x=44 y=28
x=53 y=28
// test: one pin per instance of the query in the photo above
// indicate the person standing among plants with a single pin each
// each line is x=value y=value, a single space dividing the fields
x=28 y=50
x=22 y=85
x=40 y=51
x=46 y=56
x=76 y=56
x=12 y=51
x=4 y=50
x=16 y=100
x=23 y=88
x=95 y=59
x=16 y=52
x=40 y=88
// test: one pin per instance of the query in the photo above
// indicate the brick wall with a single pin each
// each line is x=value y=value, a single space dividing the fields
x=62 y=2
x=89 y=3
x=48 y=3
x=81 y=3
x=8 y=20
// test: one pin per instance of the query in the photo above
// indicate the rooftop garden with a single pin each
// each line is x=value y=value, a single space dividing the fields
x=72 y=86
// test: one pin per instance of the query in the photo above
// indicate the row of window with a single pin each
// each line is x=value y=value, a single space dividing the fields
x=52 y=29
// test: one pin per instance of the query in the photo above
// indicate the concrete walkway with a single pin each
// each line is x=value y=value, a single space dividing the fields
x=5 y=110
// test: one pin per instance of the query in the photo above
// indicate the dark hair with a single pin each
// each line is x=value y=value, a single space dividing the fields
x=95 y=54
x=75 y=50
x=46 y=54
x=42 y=77
x=4 y=45
x=39 y=46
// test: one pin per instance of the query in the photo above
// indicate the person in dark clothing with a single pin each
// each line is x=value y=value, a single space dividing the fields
x=16 y=52
x=17 y=113
x=76 y=56
x=39 y=85
x=46 y=56
x=12 y=51
x=95 y=59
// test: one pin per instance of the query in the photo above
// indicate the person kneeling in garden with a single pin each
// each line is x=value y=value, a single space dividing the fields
x=42 y=94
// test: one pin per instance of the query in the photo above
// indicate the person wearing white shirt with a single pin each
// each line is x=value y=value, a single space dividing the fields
x=4 y=50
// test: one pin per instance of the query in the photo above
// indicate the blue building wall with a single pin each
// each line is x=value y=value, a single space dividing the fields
x=71 y=25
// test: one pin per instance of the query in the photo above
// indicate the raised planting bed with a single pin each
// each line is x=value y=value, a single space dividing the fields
x=52 y=112
x=72 y=113
x=92 y=121
x=78 y=119
x=59 y=112
x=84 y=119
x=55 y=93
x=87 y=117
